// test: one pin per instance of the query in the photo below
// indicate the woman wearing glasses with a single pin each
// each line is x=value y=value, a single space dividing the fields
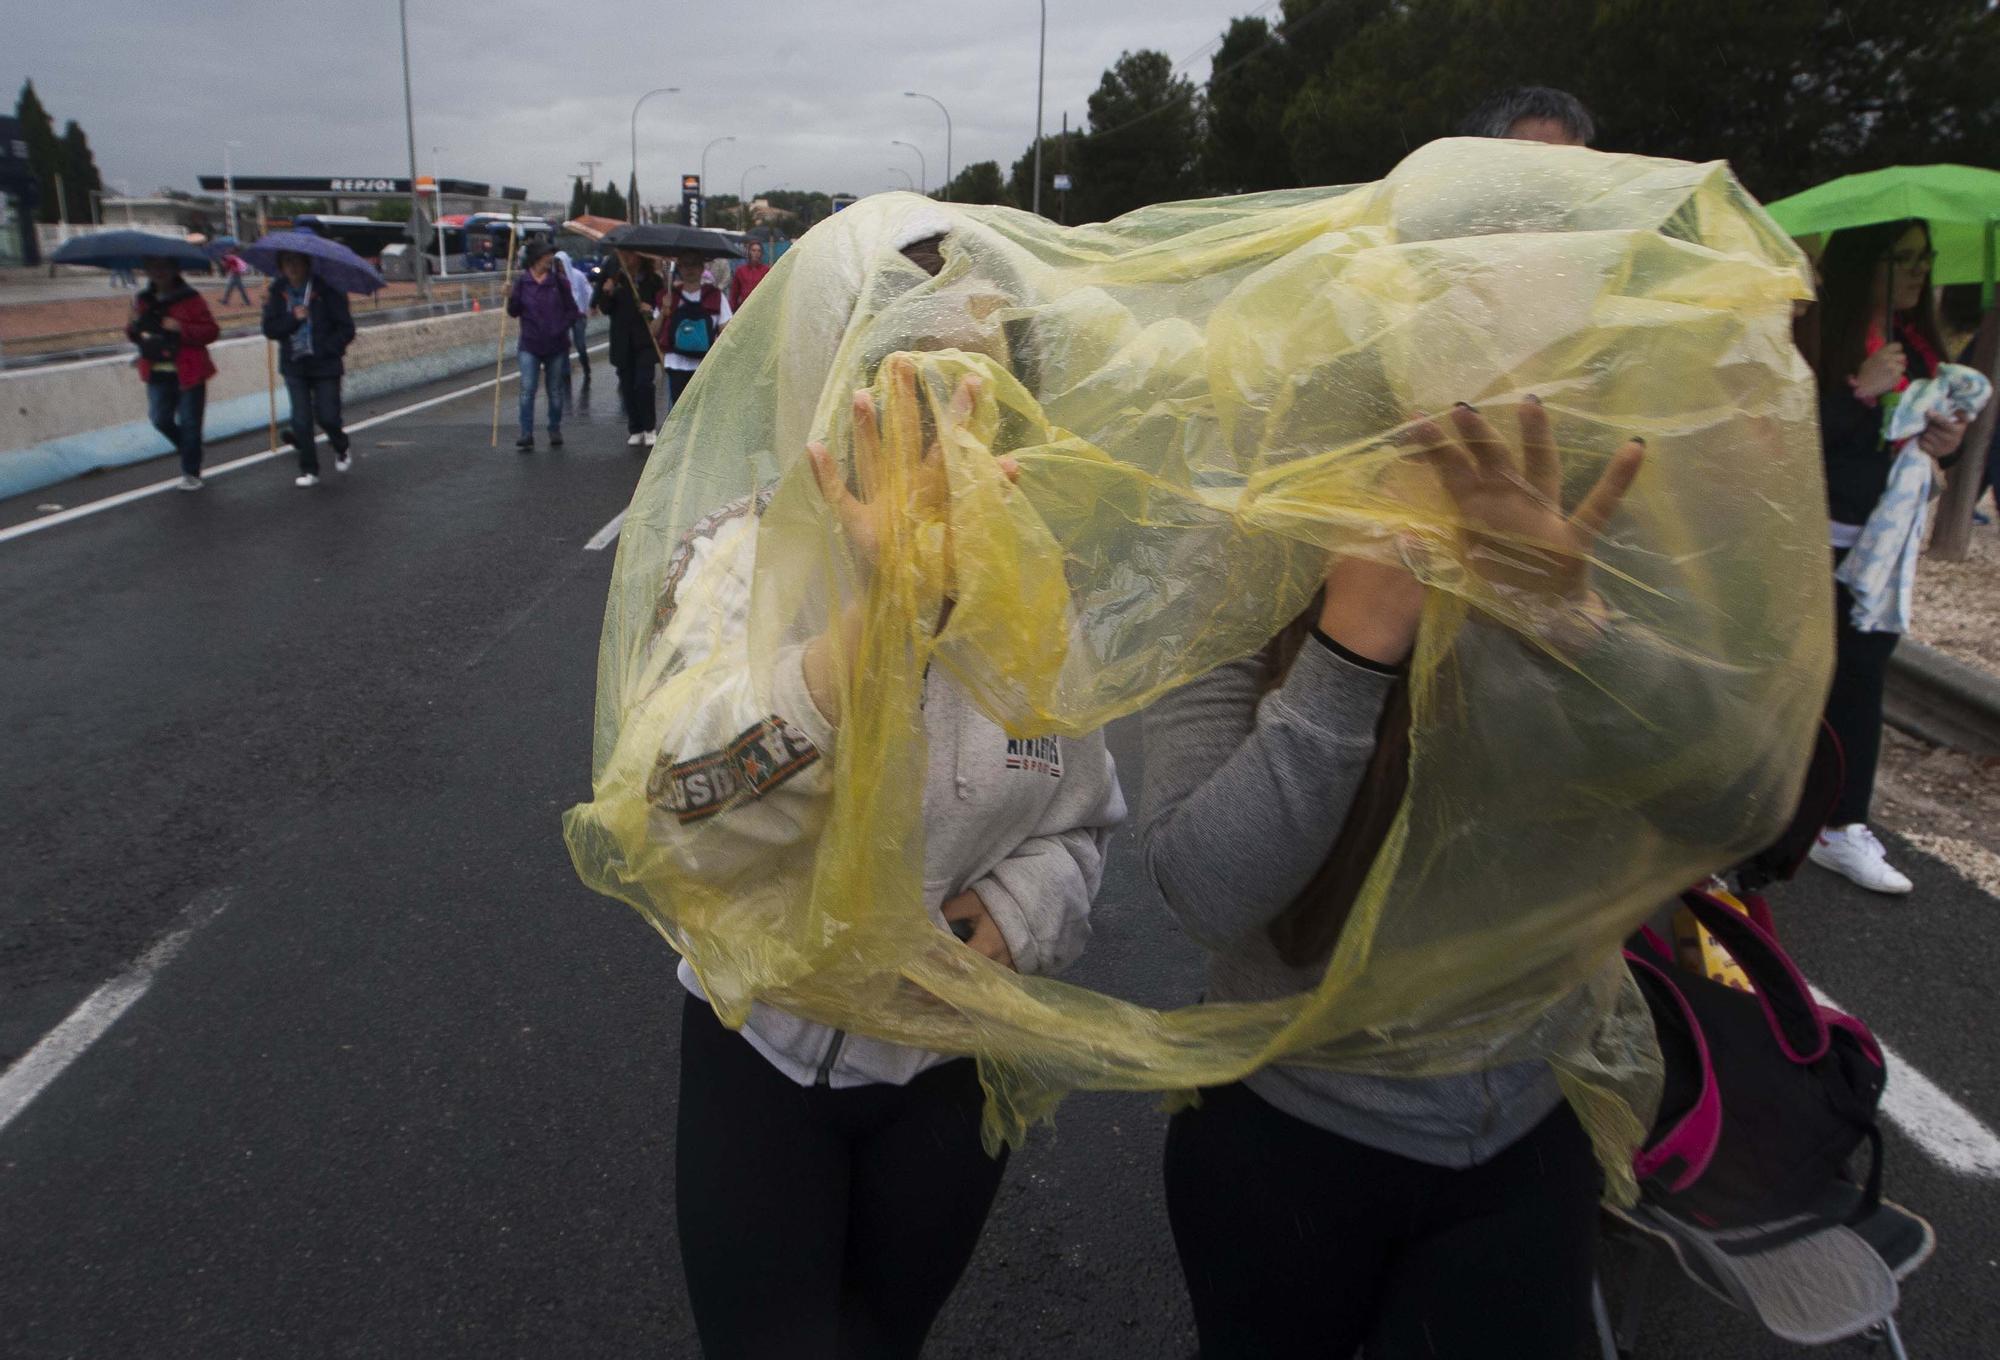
x=1878 y=332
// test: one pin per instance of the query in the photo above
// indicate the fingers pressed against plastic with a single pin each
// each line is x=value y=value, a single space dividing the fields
x=1441 y=451
x=867 y=445
x=1538 y=449
x=1602 y=503
x=1488 y=450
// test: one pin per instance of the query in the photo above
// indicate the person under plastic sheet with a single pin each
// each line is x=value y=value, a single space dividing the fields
x=850 y=1168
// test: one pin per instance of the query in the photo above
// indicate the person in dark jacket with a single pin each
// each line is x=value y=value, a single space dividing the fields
x=629 y=293
x=1877 y=332
x=173 y=329
x=313 y=326
x=542 y=299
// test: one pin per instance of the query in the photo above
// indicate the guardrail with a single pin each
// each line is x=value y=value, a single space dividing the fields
x=1943 y=701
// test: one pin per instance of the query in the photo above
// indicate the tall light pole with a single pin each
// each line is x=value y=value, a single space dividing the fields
x=437 y=209
x=923 y=175
x=704 y=177
x=1041 y=61
x=228 y=184
x=743 y=191
x=917 y=94
x=899 y=170
x=410 y=127
x=632 y=205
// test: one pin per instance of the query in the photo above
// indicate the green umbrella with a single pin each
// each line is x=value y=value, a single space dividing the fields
x=1961 y=204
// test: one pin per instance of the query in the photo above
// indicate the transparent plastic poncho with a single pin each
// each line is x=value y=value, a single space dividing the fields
x=1204 y=400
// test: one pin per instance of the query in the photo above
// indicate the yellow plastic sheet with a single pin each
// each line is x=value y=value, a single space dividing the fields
x=1204 y=399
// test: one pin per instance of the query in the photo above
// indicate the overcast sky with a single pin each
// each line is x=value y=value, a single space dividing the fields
x=517 y=93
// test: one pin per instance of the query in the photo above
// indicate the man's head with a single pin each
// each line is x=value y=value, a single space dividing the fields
x=756 y=249
x=295 y=267
x=1532 y=113
x=687 y=273
x=540 y=254
x=162 y=274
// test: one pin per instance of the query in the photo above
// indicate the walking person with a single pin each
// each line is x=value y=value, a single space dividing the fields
x=546 y=305
x=234 y=268
x=313 y=325
x=1315 y=1211
x=697 y=312
x=1877 y=332
x=629 y=293
x=746 y=276
x=579 y=286
x=173 y=328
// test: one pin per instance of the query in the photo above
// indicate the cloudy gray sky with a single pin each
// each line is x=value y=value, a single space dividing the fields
x=517 y=92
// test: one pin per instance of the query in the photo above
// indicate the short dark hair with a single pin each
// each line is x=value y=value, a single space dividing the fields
x=1497 y=113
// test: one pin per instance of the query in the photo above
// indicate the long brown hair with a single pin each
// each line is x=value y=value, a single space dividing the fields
x=1306 y=931
x=1849 y=296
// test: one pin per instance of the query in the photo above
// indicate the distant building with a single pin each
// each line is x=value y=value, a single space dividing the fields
x=20 y=193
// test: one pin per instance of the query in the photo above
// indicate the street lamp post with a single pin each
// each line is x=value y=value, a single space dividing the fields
x=917 y=94
x=899 y=170
x=923 y=175
x=704 y=177
x=228 y=184
x=1041 y=61
x=632 y=205
x=410 y=129
x=437 y=210
x=742 y=194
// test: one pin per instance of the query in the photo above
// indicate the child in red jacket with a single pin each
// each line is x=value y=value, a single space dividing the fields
x=173 y=329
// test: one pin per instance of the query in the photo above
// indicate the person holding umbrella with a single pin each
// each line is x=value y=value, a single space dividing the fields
x=173 y=328
x=313 y=326
x=698 y=313
x=629 y=293
x=542 y=299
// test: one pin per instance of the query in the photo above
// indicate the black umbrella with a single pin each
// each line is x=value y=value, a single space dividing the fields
x=126 y=250
x=672 y=241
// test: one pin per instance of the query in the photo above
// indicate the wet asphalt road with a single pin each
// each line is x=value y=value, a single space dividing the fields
x=409 y=1091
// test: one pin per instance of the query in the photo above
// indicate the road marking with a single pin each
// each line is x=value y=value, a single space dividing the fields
x=236 y=464
x=99 y=1011
x=606 y=536
x=1947 y=1132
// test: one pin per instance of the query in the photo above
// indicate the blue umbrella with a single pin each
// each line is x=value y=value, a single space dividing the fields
x=332 y=263
x=126 y=250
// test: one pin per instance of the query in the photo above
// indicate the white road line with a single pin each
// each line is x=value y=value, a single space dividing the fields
x=606 y=536
x=34 y=526
x=98 y=1012
x=1947 y=1132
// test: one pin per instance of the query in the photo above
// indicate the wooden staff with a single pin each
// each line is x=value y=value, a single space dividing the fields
x=271 y=387
x=500 y=345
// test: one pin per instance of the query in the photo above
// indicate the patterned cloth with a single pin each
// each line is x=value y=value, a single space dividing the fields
x=1881 y=569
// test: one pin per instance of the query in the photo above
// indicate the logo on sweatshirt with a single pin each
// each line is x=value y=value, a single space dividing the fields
x=1037 y=755
x=755 y=762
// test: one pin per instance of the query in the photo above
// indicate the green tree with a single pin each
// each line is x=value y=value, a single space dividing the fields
x=79 y=169
x=579 y=198
x=1144 y=126
x=608 y=202
x=979 y=182
x=1251 y=81
x=389 y=210
x=1021 y=181
x=45 y=158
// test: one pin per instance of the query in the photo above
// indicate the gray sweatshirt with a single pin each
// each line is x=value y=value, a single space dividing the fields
x=1244 y=794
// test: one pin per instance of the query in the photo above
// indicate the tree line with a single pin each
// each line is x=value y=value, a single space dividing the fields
x=64 y=167
x=1790 y=92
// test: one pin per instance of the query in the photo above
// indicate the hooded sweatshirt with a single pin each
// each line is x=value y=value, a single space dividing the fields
x=547 y=308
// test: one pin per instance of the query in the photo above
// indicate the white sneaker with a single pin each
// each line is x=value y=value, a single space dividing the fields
x=635 y=440
x=343 y=461
x=305 y=479
x=188 y=484
x=1855 y=854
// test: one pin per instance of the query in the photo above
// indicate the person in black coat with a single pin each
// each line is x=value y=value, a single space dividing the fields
x=313 y=326
x=629 y=293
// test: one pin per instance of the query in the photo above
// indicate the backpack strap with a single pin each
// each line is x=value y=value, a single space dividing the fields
x=1692 y=1140
x=711 y=299
x=1787 y=999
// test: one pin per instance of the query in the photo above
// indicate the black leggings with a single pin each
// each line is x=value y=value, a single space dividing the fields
x=1854 y=705
x=817 y=1222
x=1298 y=1242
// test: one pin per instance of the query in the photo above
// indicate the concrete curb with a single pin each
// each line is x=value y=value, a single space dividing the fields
x=1940 y=700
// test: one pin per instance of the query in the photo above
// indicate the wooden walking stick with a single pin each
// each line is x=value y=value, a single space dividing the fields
x=500 y=345
x=271 y=388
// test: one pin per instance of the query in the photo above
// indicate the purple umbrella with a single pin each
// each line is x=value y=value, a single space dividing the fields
x=332 y=263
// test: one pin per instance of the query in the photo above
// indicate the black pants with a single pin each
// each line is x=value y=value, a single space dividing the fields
x=817 y=1222
x=177 y=412
x=635 y=390
x=1854 y=705
x=315 y=399
x=1298 y=1242
x=677 y=381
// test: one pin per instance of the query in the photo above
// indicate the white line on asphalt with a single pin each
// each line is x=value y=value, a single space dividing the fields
x=236 y=464
x=99 y=1011
x=1948 y=1132
x=606 y=536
